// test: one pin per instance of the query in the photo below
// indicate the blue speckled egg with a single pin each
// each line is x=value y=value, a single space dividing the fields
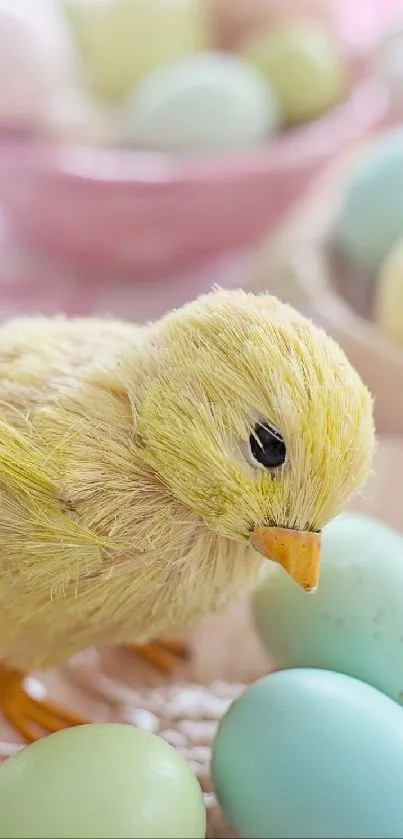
x=311 y=753
x=371 y=218
x=354 y=622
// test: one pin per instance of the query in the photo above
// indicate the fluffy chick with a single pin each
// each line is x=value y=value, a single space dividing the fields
x=128 y=484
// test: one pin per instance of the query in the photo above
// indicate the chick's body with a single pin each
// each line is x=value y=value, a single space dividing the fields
x=127 y=488
x=92 y=548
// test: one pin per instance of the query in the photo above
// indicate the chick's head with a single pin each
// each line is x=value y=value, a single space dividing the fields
x=255 y=419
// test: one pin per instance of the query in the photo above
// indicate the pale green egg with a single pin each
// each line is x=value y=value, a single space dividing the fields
x=204 y=103
x=303 y=65
x=100 y=781
x=305 y=754
x=353 y=623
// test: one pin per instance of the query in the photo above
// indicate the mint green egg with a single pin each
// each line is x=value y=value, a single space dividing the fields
x=371 y=216
x=354 y=621
x=308 y=754
x=205 y=103
x=100 y=781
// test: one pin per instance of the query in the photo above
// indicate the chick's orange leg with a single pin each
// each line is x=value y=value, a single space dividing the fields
x=164 y=654
x=31 y=717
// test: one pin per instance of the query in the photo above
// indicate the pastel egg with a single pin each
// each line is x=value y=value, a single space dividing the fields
x=354 y=621
x=371 y=216
x=121 y=42
x=208 y=102
x=388 y=305
x=100 y=780
x=311 y=753
x=304 y=66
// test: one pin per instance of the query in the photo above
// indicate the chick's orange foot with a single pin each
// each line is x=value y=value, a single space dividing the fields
x=164 y=654
x=31 y=717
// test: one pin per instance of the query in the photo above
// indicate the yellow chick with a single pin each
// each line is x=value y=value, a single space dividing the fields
x=144 y=470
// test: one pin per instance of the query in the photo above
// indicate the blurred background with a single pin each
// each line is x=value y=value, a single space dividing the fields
x=150 y=149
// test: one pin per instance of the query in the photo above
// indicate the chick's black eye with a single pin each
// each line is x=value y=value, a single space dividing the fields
x=267 y=446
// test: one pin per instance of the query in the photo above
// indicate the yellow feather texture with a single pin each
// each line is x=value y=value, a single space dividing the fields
x=127 y=489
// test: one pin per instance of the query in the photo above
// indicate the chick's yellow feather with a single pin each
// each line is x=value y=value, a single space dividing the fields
x=127 y=487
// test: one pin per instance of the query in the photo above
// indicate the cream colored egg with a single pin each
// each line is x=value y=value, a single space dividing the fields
x=388 y=306
x=120 y=42
x=304 y=66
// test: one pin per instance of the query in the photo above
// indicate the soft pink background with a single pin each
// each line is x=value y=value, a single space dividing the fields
x=133 y=248
x=170 y=260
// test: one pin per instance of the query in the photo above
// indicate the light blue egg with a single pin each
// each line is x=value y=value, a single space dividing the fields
x=371 y=218
x=354 y=622
x=311 y=753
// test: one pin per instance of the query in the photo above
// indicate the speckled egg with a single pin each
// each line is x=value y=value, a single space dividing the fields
x=121 y=42
x=304 y=66
x=309 y=754
x=388 y=298
x=100 y=780
x=371 y=216
x=354 y=622
x=208 y=102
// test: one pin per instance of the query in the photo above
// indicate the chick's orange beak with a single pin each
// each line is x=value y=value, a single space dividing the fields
x=297 y=551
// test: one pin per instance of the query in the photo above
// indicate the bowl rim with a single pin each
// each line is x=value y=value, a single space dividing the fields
x=301 y=147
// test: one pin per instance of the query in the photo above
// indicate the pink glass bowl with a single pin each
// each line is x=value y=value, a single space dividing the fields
x=149 y=214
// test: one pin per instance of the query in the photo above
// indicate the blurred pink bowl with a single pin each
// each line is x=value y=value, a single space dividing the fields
x=149 y=214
